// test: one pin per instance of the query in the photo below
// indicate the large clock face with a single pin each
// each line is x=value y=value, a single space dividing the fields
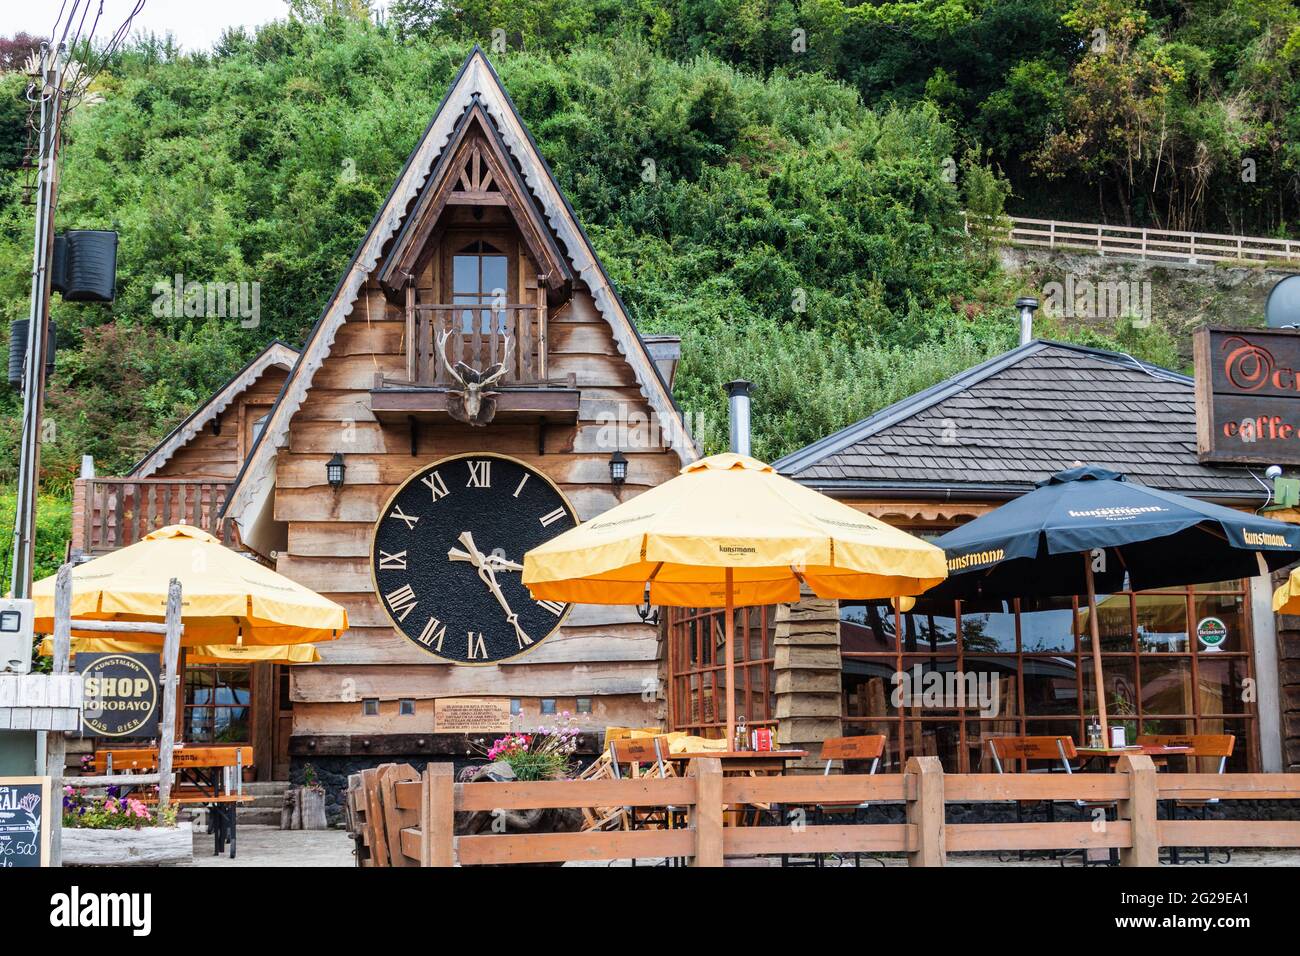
x=448 y=555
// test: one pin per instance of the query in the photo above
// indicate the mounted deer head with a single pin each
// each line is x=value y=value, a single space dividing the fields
x=474 y=403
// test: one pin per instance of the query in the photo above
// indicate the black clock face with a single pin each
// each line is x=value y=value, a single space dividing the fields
x=448 y=557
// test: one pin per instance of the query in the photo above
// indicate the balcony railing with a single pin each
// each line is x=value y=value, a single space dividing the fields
x=110 y=513
x=476 y=335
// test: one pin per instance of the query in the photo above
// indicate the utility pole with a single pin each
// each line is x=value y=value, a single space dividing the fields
x=50 y=95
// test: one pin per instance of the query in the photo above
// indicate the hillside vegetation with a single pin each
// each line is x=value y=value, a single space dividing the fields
x=792 y=233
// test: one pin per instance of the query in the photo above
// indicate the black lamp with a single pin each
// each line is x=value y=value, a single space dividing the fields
x=334 y=471
x=617 y=468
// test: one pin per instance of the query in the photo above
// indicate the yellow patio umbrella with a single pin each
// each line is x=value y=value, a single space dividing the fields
x=1286 y=599
x=729 y=530
x=205 y=654
x=227 y=598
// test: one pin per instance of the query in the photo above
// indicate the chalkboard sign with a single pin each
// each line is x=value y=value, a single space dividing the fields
x=24 y=822
x=120 y=694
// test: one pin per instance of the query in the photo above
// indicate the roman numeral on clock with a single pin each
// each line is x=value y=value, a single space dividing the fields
x=392 y=562
x=480 y=474
x=401 y=601
x=555 y=607
x=400 y=515
x=434 y=631
x=475 y=646
x=436 y=485
x=549 y=519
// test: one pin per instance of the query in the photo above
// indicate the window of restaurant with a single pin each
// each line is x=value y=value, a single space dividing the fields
x=217 y=698
x=1174 y=662
x=697 y=675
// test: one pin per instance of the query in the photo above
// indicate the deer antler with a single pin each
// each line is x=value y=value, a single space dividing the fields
x=442 y=350
x=494 y=373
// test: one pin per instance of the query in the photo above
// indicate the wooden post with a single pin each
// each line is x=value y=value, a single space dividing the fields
x=438 y=816
x=730 y=631
x=171 y=658
x=56 y=742
x=923 y=785
x=1095 y=631
x=706 y=815
x=1139 y=809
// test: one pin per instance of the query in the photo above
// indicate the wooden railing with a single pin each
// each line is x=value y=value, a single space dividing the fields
x=403 y=818
x=477 y=336
x=110 y=513
x=1168 y=245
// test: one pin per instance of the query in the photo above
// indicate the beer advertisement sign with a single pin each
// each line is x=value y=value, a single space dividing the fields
x=121 y=695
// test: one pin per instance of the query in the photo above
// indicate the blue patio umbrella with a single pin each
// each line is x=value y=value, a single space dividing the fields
x=1088 y=527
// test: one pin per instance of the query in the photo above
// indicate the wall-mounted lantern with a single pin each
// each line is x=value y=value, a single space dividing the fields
x=617 y=468
x=334 y=471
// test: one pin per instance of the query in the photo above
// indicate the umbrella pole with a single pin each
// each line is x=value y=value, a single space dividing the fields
x=731 y=660
x=1096 y=648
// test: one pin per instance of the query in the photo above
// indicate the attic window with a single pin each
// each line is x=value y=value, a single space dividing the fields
x=479 y=277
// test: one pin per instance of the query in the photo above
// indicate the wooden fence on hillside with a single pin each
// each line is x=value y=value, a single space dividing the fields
x=404 y=818
x=1167 y=245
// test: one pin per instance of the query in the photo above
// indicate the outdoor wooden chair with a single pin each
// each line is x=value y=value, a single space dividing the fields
x=863 y=748
x=1053 y=754
x=644 y=757
x=1209 y=746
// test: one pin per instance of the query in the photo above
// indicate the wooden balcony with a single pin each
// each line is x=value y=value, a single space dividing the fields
x=476 y=335
x=479 y=336
x=111 y=513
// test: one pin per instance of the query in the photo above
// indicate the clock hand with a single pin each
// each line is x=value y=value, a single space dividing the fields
x=486 y=566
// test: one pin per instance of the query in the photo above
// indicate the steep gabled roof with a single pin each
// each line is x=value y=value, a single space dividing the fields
x=476 y=83
x=275 y=355
x=999 y=427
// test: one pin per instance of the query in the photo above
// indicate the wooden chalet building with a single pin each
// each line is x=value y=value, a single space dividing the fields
x=474 y=268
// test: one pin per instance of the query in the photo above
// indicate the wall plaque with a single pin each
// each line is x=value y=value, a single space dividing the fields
x=471 y=715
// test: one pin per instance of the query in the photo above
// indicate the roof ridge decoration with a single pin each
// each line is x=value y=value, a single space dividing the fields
x=278 y=354
x=832 y=444
x=477 y=83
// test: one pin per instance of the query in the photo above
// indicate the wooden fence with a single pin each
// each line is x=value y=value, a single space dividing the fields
x=401 y=818
x=1168 y=245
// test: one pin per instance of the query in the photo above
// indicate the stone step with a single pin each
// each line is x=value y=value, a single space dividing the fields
x=266 y=787
x=259 y=815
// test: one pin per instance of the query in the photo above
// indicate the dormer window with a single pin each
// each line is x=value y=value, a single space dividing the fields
x=480 y=276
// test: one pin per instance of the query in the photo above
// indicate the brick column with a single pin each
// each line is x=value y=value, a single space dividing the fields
x=806 y=676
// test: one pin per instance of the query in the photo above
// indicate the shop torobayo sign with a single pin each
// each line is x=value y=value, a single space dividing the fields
x=1248 y=396
x=121 y=694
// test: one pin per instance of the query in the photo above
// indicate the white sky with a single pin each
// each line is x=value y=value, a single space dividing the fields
x=196 y=24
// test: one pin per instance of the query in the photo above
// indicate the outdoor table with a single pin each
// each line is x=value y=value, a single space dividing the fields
x=200 y=772
x=753 y=763
x=1158 y=753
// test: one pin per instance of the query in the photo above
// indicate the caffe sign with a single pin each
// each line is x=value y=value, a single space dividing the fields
x=1248 y=396
x=120 y=697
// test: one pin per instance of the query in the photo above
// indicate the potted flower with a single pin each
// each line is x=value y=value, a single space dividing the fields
x=94 y=825
x=542 y=754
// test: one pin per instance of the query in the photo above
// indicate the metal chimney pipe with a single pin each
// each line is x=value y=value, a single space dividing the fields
x=1027 y=305
x=738 y=397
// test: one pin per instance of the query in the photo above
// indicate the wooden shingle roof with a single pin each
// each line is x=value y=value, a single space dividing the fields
x=1001 y=426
